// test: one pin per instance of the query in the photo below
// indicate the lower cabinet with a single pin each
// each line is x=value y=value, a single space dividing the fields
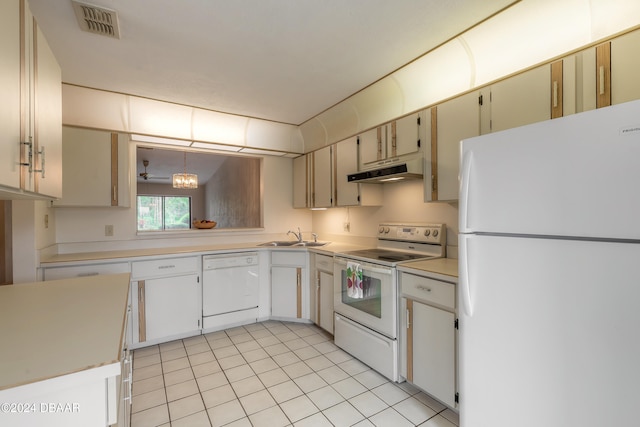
x=289 y=273
x=166 y=300
x=429 y=336
x=324 y=292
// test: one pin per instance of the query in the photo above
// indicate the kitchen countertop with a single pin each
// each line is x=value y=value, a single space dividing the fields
x=329 y=249
x=60 y=327
x=440 y=266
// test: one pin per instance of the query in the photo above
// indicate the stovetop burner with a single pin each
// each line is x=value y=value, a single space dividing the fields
x=401 y=242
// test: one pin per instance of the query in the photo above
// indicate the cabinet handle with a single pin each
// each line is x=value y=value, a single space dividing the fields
x=601 y=71
x=555 y=93
x=163 y=267
x=408 y=318
x=41 y=154
x=424 y=288
x=29 y=161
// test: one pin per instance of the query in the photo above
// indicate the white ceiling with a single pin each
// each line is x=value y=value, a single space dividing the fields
x=280 y=60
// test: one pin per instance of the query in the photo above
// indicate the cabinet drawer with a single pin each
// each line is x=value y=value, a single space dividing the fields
x=324 y=262
x=289 y=258
x=164 y=267
x=53 y=273
x=428 y=290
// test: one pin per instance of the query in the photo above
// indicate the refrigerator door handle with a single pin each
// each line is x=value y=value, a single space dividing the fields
x=465 y=175
x=463 y=281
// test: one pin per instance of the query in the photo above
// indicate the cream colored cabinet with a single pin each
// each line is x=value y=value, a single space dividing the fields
x=10 y=88
x=96 y=168
x=322 y=183
x=166 y=299
x=517 y=101
x=625 y=68
x=428 y=347
x=289 y=295
x=398 y=138
x=451 y=122
x=301 y=190
x=323 y=268
x=352 y=193
x=313 y=184
x=31 y=114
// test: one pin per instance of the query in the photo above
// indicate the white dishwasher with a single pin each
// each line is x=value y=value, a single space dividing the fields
x=230 y=290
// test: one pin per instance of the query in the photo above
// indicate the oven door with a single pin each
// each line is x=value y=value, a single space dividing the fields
x=377 y=309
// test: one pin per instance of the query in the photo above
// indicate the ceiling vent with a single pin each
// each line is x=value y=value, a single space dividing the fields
x=96 y=19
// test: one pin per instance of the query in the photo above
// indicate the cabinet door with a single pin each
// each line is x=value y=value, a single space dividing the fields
x=625 y=68
x=456 y=120
x=347 y=193
x=372 y=146
x=325 y=301
x=171 y=306
x=408 y=135
x=520 y=100
x=286 y=292
x=431 y=353
x=300 y=182
x=322 y=178
x=10 y=89
x=47 y=120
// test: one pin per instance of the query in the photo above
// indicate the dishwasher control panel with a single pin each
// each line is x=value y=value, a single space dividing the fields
x=240 y=259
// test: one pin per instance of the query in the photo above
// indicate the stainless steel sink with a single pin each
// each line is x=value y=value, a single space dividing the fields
x=293 y=243
x=279 y=243
x=311 y=244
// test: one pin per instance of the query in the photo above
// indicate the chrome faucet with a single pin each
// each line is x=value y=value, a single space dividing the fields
x=298 y=234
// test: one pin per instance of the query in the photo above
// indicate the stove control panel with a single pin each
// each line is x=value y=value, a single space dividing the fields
x=422 y=233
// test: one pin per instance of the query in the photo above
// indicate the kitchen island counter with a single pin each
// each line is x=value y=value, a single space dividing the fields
x=62 y=346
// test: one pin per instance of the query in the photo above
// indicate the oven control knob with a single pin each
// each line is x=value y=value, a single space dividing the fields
x=386 y=230
x=380 y=230
x=427 y=232
x=435 y=233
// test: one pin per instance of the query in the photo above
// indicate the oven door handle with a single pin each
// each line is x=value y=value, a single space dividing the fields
x=365 y=266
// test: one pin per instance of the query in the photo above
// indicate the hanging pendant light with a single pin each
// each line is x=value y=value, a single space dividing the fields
x=184 y=179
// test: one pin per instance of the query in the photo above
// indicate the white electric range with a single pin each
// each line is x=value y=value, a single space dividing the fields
x=366 y=325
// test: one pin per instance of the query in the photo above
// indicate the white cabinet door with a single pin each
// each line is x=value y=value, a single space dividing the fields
x=625 y=68
x=433 y=357
x=457 y=119
x=352 y=193
x=323 y=178
x=171 y=306
x=408 y=135
x=96 y=168
x=372 y=146
x=47 y=120
x=300 y=182
x=519 y=100
x=286 y=292
x=325 y=297
x=10 y=89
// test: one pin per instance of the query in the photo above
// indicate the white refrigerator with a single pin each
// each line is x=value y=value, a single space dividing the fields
x=549 y=290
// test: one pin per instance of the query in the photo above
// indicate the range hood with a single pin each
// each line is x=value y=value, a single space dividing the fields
x=392 y=171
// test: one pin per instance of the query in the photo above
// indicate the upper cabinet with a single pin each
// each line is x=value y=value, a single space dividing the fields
x=517 y=101
x=96 y=165
x=352 y=193
x=313 y=179
x=625 y=66
x=395 y=139
x=31 y=114
x=451 y=122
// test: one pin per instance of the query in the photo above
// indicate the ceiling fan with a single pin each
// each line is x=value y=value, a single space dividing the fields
x=146 y=176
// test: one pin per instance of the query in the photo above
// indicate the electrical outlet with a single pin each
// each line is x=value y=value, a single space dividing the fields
x=108 y=230
x=347 y=226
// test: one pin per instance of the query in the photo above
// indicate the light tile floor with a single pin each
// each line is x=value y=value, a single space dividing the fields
x=270 y=374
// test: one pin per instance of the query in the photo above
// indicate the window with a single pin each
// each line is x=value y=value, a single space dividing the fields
x=164 y=213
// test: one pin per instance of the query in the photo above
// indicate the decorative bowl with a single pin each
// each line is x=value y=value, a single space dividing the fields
x=204 y=224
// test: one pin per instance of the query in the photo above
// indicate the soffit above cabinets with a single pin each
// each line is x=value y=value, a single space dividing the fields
x=284 y=61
